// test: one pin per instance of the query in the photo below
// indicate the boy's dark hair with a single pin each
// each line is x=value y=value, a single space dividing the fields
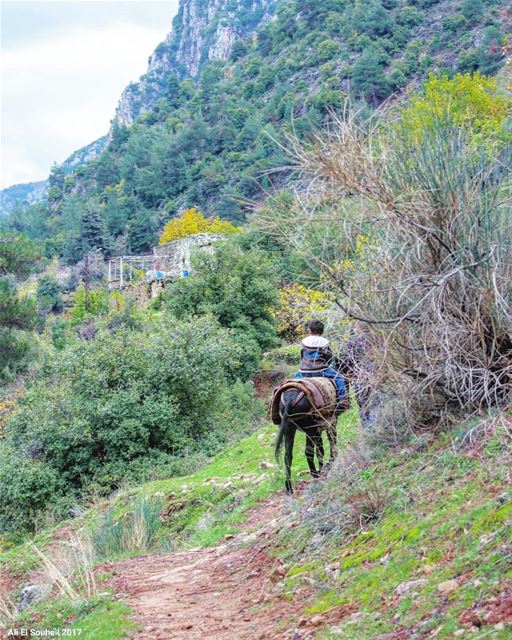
x=316 y=327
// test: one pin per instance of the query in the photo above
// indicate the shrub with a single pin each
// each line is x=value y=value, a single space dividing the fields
x=191 y=222
x=454 y=23
x=123 y=407
x=472 y=10
x=48 y=295
x=238 y=288
x=18 y=255
x=97 y=302
x=469 y=101
x=27 y=488
x=299 y=304
x=434 y=284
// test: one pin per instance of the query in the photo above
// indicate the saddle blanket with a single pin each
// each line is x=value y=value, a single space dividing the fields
x=321 y=393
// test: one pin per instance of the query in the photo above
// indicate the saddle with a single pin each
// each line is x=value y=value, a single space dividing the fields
x=321 y=393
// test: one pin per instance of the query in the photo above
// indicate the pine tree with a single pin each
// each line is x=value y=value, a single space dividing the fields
x=18 y=257
x=368 y=78
x=472 y=10
x=142 y=232
x=92 y=231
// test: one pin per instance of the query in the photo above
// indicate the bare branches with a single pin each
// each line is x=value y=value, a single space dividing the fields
x=414 y=237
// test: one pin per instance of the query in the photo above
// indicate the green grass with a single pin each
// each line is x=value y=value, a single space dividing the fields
x=202 y=508
x=214 y=501
x=20 y=559
x=210 y=503
x=444 y=520
x=98 y=619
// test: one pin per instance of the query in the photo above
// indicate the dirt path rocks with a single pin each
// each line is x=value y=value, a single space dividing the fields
x=228 y=592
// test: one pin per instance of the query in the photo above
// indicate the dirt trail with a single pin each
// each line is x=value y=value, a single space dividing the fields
x=228 y=592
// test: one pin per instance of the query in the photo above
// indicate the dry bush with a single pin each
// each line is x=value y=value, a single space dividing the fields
x=69 y=569
x=350 y=499
x=8 y=612
x=413 y=235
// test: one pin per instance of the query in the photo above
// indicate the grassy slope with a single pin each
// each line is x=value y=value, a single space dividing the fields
x=205 y=506
x=445 y=517
x=448 y=517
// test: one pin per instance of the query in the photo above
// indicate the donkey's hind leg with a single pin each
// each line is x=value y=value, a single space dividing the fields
x=310 y=453
x=288 y=455
x=332 y=436
x=319 y=447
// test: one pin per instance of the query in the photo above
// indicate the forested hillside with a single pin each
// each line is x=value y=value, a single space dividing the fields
x=211 y=139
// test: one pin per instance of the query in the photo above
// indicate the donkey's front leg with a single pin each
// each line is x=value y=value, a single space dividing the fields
x=319 y=447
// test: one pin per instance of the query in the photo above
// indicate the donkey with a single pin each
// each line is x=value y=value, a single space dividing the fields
x=298 y=413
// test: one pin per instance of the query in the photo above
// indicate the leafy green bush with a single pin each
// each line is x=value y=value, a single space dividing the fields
x=237 y=287
x=126 y=406
x=27 y=487
x=48 y=295
x=95 y=303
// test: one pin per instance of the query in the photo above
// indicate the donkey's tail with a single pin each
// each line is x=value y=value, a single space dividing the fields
x=282 y=430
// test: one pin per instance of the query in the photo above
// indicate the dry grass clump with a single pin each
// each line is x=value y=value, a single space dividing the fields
x=346 y=502
x=66 y=571
x=69 y=569
x=413 y=234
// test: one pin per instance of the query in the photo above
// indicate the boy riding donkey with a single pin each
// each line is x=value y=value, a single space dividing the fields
x=317 y=359
x=310 y=402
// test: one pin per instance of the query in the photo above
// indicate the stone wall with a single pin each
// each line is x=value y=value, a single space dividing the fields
x=179 y=252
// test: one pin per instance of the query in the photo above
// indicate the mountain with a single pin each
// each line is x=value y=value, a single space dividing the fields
x=231 y=79
x=32 y=192
x=203 y=31
x=24 y=194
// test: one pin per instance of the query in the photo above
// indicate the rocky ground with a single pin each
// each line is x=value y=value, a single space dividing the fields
x=227 y=592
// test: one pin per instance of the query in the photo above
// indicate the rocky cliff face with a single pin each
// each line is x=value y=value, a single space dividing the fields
x=203 y=30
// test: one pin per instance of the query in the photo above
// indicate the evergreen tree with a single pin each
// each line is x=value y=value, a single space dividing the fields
x=18 y=257
x=368 y=77
x=142 y=232
x=173 y=91
x=120 y=135
x=92 y=231
x=57 y=176
x=56 y=185
x=472 y=10
x=48 y=295
x=239 y=50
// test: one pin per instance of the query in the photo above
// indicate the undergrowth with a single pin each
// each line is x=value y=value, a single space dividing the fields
x=442 y=514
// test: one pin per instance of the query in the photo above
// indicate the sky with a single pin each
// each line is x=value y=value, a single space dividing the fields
x=64 y=65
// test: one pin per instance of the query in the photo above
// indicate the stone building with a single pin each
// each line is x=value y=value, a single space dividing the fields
x=167 y=262
x=176 y=255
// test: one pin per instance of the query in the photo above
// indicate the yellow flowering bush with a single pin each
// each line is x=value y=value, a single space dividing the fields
x=192 y=221
x=7 y=406
x=470 y=101
x=298 y=304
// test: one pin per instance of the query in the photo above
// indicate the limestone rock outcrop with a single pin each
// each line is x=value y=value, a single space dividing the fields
x=202 y=31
